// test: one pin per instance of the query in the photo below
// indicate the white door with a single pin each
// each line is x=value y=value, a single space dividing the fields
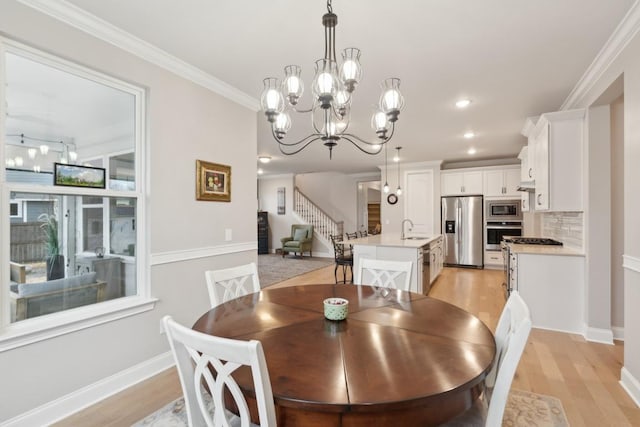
x=419 y=202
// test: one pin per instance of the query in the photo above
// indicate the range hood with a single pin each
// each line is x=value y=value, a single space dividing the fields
x=529 y=186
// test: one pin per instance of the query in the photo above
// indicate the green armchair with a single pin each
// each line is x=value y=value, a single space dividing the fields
x=300 y=240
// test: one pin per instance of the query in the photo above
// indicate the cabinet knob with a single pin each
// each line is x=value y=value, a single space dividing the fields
x=530 y=173
x=539 y=199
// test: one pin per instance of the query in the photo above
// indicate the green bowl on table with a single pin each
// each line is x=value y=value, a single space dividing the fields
x=336 y=308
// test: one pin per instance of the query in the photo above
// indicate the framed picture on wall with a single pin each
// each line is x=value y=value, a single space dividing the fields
x=281 y=201
x=213 y=181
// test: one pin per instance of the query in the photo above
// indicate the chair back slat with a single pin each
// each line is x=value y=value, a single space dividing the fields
x=196 y=354
x=230 y=283
x=388 y=274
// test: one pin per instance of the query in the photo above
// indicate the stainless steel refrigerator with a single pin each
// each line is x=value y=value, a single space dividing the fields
x=462 y=229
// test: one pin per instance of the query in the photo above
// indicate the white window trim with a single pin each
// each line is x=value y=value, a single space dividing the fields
x=13 y=335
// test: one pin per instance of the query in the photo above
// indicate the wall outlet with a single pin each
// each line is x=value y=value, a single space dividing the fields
x=228 y=234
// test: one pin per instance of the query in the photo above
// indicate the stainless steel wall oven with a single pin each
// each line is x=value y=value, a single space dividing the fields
x=495 y=231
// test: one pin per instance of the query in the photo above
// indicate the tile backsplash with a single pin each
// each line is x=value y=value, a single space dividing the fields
x=568 y=227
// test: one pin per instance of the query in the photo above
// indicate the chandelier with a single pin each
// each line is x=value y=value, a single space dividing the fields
x=332 y=88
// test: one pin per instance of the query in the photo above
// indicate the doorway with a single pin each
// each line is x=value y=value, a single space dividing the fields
x=369 y=197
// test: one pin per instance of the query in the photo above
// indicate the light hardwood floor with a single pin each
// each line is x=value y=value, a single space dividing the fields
x=583 y=375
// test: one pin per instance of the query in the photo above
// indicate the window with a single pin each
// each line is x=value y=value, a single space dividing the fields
x=70 y=248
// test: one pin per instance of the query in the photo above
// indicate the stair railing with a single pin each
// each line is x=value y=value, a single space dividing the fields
x=312 y=214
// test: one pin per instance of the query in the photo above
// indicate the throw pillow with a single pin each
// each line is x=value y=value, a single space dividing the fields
x=299 y=234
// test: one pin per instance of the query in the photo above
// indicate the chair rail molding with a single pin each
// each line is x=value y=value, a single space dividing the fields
x=195 y=253
x=631 y=263
x=84 y=21
x=73 y=402
x=622 y=35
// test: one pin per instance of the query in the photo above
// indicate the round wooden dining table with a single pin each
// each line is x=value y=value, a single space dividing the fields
x=399 y=359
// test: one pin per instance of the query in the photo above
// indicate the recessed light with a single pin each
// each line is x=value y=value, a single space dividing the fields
x=469 y=135
x=264 y=159
x=463 y=103
x=471 y=151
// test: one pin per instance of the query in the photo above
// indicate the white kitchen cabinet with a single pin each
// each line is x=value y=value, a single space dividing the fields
x=527 y=173
x=558 y=161
x=493 y=260
x=525 y=201
x=437 y=258
x=502 y=182
x=461 y=183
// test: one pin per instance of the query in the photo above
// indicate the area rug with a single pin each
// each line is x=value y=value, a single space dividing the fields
x=273 y=268
x=524 y=409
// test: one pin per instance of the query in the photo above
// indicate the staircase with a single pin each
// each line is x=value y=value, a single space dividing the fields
x=323 y=225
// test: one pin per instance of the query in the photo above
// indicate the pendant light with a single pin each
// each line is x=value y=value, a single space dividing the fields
x=386 y=175
x=398 y=190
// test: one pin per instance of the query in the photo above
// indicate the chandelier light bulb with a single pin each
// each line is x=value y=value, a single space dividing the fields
x=282 y=124
x=271 y=99
x=292 y=85
x=376 y=147
x=379 y=122
x=31 y=152
x=44 y=149
x=391 y=101
x=386 y=187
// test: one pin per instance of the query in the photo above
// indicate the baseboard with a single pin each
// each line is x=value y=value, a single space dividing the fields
x=631 y=385
x=618 y=333
x=603 y=336
x=68 y=405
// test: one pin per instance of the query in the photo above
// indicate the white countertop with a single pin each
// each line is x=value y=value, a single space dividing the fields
x=544 y=250
x=392 y=240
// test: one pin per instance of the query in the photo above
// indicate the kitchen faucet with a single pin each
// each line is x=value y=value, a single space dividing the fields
x=410 y=227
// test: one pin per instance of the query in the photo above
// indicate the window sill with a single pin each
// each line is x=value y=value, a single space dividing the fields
x=52 y=325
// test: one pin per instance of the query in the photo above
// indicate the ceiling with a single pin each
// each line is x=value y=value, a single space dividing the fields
x=513 y=59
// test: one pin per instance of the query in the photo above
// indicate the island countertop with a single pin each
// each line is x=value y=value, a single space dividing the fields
x=392 y=240
x=544 y=250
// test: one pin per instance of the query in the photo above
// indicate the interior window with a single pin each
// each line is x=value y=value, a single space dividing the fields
x=74 y=129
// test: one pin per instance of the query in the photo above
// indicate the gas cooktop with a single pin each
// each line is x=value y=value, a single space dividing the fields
x=532 y=241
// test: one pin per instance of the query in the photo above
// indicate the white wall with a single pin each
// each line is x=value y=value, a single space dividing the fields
x=279 y=225
x=627 y=63
x=617 y=212
x=335 y=193
x=185 y=122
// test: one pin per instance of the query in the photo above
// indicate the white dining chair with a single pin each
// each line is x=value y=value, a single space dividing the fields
x=196 y=354
x=230 y=283
x=511 y=338
x=388 y=274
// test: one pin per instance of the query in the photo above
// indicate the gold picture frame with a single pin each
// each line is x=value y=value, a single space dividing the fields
x=213 y=181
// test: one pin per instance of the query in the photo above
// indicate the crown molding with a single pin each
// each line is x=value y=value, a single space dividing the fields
x=103 y=30
x=622 y=35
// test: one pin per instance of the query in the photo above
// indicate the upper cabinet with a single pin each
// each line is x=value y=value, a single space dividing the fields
x=502 y=183
x=456 y=183
x=557 y=161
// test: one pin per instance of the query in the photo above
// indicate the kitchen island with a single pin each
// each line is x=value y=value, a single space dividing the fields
x=425 y=253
